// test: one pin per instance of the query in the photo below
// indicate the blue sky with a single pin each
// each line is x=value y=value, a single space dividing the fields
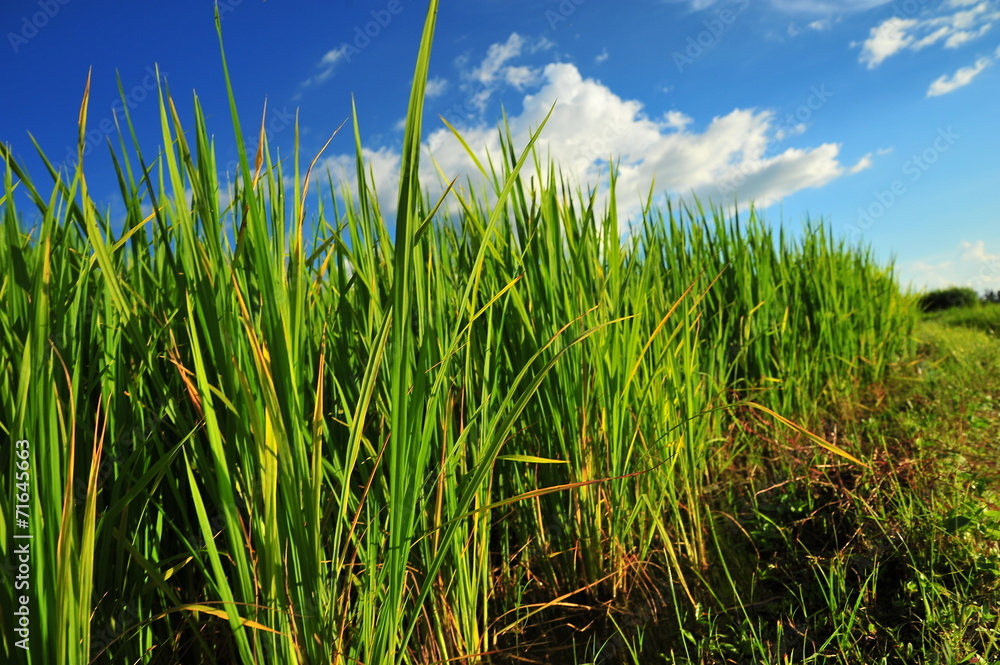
x=878 y=117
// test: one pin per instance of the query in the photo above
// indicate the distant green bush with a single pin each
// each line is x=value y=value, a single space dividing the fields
x=942 y=299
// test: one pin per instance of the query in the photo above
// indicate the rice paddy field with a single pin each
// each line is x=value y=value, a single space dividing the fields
x=489 y=430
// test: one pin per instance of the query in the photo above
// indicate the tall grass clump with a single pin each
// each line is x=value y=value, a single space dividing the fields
x=391 y=441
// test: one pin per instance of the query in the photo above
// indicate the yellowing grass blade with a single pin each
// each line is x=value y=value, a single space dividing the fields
x=532 y=459
x=836 y=450
x=222 y=614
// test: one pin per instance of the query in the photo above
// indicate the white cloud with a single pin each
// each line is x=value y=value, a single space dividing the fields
x=591 y=124
x=496 y=57
x=945 y=84
x=694 y=5
x=733 y=155
x=383 y=164
x=958 y=38
x=789 y=131
x=334 y=56
x=863 y=163
x=932 y=38
x=676 y=120
x=964 y=20
x=954 y=23
x=327 y=65
x=976 y=251
x=436 y=87
x=602 y=56
x=886 y=40
x=825 y=7
x=971 y=264
x=483 y=80
x=519 y=77
x=541 y=44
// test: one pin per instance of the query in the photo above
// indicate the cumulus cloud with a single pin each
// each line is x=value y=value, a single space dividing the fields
x=952 y=25
x=945 y=84
x=382 y=168
x=733 y=155
x=591 y=124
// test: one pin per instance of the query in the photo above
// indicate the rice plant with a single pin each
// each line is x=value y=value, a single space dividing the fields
x=329 y=437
